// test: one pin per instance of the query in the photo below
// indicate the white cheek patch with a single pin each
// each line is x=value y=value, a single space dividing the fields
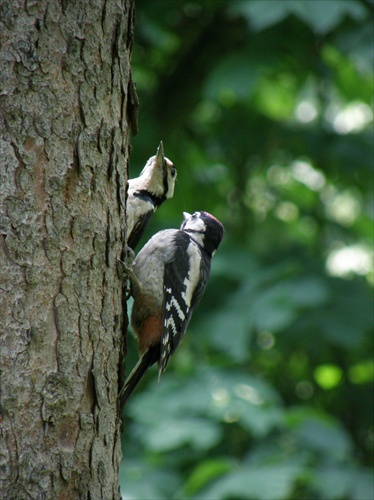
x=198 y=225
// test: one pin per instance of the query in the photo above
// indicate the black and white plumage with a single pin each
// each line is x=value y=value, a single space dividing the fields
x=173 y=270
x=147 y=192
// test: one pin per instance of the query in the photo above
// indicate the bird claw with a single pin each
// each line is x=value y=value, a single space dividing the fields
x=130 y=255
x=126 y=273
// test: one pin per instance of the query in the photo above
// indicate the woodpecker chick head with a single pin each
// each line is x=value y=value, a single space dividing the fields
x=159 y=175
x=205 y=229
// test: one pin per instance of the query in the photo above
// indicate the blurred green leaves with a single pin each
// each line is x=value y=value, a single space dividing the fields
x=363 y=372
x=265 y=107
x=319 y=15
x=271 y=482
x=328 y=376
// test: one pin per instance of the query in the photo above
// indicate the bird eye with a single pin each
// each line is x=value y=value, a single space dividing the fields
x=173 y=171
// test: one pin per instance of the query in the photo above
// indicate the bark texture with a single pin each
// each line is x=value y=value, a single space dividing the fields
x=65 y=107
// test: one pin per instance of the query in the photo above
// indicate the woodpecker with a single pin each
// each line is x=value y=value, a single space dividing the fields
x=147 y=192
x=172 y=271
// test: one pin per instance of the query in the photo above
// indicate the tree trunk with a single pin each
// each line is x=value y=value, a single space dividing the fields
x=65 y=109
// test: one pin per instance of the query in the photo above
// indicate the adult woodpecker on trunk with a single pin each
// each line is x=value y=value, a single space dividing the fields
x=169 y=276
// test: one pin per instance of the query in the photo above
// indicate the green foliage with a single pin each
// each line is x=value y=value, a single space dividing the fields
x=265 y=108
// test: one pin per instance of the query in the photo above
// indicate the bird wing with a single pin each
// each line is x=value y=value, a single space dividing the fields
x=184 y=285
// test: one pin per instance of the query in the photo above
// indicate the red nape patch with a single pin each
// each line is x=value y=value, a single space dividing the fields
x=150 y=332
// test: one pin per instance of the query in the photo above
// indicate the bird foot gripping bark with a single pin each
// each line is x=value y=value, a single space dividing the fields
x=126 y=273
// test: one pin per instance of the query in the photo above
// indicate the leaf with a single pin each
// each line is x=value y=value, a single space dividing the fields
x=325 y=436
x=350 y=314
x=251 y=482
x=261 y=421
x=343 y=481
x=173 y=397
x=234 y=76
x=170 y=434
x=363 y=487
x=244 y=386
x=250 y=402
x=246 y=264
x=320 y=15
x=323 y=16
x=272 y=310
x=204 y=473
x=261 y=14
x=333 y=481
x=220 y=329
x=139 y=480
x=358 y=44
x=308 y=292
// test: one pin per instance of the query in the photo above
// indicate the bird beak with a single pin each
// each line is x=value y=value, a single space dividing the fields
x=160 y=158
x=186 y=215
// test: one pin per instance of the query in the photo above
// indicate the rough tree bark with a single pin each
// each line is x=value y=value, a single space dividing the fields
x=65 y=109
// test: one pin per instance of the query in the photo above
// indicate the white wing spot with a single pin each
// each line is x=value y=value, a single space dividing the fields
x=170 y=322
x=177 y=307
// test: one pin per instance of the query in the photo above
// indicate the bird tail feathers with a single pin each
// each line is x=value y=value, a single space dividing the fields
x=147 y=359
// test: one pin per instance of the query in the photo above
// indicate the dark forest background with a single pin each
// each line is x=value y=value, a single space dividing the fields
x=265 y=107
